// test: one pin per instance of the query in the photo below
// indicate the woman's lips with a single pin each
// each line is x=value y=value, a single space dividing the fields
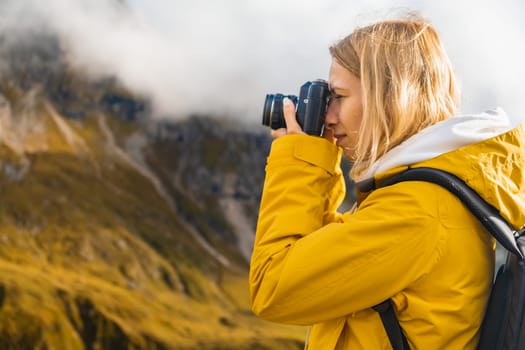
x=338 y=139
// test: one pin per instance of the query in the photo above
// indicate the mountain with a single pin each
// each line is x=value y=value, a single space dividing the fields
x=119 y=231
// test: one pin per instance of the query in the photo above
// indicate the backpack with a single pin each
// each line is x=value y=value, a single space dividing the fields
x=503 y=326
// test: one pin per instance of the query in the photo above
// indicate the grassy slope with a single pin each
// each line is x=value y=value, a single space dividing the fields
x=92 y=257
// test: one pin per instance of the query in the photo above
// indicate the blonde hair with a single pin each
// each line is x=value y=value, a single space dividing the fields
x=407 y=83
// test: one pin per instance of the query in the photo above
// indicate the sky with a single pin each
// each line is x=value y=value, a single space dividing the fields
x=221 y=57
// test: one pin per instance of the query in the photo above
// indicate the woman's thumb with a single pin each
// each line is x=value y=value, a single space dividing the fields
x=292 y=126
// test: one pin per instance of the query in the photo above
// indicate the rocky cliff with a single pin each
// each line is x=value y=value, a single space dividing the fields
x=118 y=231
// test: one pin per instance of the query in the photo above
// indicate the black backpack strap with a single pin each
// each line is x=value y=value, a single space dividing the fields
x=391 y=324
x=484 y=212
x=489 y=216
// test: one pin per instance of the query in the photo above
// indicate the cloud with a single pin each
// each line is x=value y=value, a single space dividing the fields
x=105 y=38
x=485 y=42
x=222 y=57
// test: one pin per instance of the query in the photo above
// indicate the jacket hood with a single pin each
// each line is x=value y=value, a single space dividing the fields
x=487 y=151
x=443 y=137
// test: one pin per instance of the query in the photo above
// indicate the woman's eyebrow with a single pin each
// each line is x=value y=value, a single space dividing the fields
x=334 y=86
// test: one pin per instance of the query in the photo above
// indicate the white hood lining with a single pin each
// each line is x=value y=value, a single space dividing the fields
x=443 y=137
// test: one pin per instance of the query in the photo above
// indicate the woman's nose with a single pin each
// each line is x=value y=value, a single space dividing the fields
x=331 y=118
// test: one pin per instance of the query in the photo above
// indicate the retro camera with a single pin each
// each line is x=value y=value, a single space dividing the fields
x=311 y=106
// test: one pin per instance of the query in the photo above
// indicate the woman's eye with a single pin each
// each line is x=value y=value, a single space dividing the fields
x=337 y=97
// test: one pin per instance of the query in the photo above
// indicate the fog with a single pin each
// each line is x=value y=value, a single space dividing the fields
x=222 y=57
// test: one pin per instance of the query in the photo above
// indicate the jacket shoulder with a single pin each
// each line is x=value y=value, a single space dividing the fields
x=412 y=199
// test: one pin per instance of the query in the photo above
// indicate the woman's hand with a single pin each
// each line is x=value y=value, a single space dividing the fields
x=292 y=126
x=329 y=135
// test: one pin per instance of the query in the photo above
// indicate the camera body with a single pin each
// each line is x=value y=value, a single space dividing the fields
x=311 y=107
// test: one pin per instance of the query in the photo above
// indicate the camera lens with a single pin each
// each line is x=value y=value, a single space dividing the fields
x=273 y=115
x=267 y=111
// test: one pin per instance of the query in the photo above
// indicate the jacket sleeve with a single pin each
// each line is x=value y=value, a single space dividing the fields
x=308 y=267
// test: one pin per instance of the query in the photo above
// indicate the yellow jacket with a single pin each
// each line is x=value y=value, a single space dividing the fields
x=413 y=242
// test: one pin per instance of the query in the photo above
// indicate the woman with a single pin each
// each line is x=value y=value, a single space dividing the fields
x=393 y=106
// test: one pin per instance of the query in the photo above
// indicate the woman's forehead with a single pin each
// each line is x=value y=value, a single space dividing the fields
x=340 y=77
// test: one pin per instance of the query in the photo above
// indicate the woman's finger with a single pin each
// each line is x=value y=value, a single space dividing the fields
x=292 y=126
x=276 y=133
x=329 y=134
